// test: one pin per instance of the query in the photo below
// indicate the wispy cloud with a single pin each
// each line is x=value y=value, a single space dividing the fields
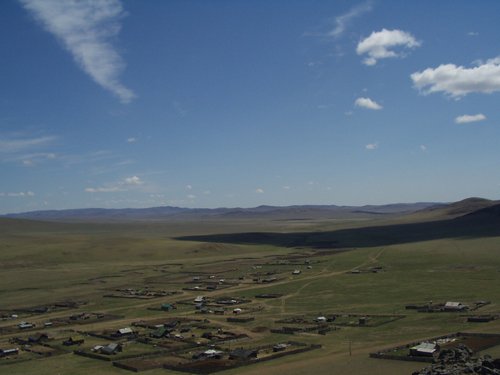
x=371 y=146
x=85 y=28
x=458 y=81
x=423 y=148
x=127 y=183
x=179 y=108
x=464 y=119
x=10 y=145
x=21 y=194
x=382 y=45
x=131 y=140
x=103 y=189
x=367 y=103
x=342 y=21
x=259 y=191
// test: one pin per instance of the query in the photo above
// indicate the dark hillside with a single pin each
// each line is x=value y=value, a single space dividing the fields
x=481 y=223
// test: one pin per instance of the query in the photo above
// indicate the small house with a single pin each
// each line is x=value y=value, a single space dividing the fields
x=127 y=331
x=424 y=349
x=74 y=340
x=455 y=306
x=7 y=352
x=111 y=349
x=280 y=347
x=25 y=325
x=199 y=299
x=320 y=319
x=160 y=332
x=269 y=280
x=212 y=354
x=229 y=301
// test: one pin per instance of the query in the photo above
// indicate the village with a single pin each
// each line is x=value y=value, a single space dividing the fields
x=212 y=318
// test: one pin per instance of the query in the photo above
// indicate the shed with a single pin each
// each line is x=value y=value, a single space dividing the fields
x=167 y=307
x=74 y=340
x=243 y=354
x=39 y=337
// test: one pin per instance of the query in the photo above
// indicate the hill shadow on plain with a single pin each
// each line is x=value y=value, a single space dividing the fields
x=482 y=223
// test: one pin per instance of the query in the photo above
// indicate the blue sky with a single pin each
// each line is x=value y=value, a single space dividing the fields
x=240 y=103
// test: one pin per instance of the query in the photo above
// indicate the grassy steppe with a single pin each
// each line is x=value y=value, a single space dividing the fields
x=47 y=262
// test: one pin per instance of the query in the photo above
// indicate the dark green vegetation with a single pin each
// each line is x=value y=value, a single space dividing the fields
x=350 y=268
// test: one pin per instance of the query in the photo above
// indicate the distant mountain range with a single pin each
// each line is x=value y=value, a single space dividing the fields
x=270 y=212
x=304 y=212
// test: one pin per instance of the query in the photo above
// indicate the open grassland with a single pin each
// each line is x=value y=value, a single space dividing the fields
x=48 y=262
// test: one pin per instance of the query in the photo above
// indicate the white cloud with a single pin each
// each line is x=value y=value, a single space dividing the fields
x=126 y=184
x=367 y=103
x=28 y=163
x=207 y=192
x=85 y=28
x=464 y=119
x=458 y=81
x=286 y=187
x=342 y=21
x=423 y=148
x=21 y=194
x=381 y=44
x=472 y=33
x=134 y=180
x=109 y=189
x=189 y=187
x=259 y=191
x=131 y=140
x=191 y=196
x=372 y=146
